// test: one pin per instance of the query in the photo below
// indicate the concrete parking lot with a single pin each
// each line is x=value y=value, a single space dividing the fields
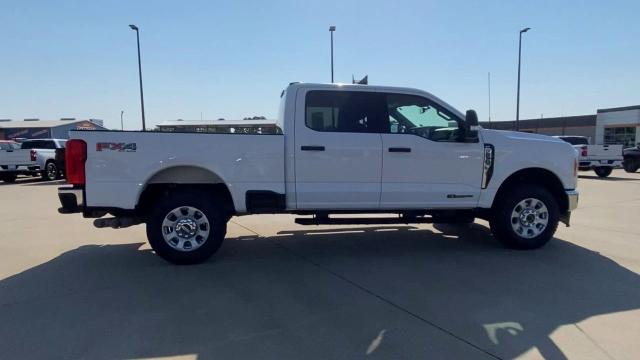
x=278 y=290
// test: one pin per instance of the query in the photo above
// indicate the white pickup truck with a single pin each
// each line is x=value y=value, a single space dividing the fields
x=343 y=149
x=602 y=159
x=15 y=161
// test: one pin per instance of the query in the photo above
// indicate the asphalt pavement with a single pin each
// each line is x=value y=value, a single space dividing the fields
x=277 y=290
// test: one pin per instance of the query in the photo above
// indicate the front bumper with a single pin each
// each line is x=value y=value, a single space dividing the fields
x=71 y=199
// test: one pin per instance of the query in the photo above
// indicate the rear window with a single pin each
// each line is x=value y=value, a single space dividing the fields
x=575 y=140
x=39 y=144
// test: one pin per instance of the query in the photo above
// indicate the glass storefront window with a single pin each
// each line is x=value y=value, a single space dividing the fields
x=620 y=136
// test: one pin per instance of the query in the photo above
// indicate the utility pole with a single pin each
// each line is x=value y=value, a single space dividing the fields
x=135 y=28
x=518 y=97
x=489 y=85
x=121 y=121
x=331 y=30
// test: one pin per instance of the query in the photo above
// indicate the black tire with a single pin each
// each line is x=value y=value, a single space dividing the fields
x=50 y=172
x=501 y=219
x=9 y=178
x=603 y=171
x=206 y=246
x=630 y=165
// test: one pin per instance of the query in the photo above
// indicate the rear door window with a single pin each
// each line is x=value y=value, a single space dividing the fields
x=344 y=111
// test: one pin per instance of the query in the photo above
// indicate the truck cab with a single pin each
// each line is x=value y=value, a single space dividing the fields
x=341 y=149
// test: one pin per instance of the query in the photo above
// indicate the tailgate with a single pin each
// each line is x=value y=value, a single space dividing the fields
x=11 y=159
x=604 y=152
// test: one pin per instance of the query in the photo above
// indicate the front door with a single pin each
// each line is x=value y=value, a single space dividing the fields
x=424 y=163
x=338 y=149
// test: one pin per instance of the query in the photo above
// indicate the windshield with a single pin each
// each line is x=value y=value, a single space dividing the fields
x=575 y=140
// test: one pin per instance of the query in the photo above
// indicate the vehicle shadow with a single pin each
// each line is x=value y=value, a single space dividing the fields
x=608 y=178
x=22 y=180
x=40 y=182
x=308 y=294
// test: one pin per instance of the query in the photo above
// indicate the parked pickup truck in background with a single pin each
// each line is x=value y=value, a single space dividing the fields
x=631 y=159
x=600 y=158
x=44 y=151
x=14 y=161
x=343 y=149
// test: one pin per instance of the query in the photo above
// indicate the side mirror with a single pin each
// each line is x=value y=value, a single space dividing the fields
x=469 y=128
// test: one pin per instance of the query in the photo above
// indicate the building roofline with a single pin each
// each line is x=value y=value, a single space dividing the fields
x=622 y=108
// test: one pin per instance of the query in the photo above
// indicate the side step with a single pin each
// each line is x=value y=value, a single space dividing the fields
x=362 y=221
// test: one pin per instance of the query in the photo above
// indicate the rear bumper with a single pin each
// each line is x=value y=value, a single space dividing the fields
x=589 y=164
x=71 y=199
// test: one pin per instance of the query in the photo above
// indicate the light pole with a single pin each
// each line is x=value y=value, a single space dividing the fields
x=518 y=98
x=133 y=27
x=489 y=86
x=331 y=30
x=121 y=121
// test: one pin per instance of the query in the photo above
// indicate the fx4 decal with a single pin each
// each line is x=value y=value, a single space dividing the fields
x=130 y=147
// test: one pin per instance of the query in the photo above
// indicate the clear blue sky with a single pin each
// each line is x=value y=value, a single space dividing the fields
x=231 y=59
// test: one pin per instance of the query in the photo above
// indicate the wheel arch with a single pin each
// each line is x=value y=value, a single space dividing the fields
x=537 y=176
x=184 y=178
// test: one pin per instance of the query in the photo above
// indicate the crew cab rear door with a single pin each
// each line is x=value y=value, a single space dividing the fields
x=424 y=164
x=338 y=149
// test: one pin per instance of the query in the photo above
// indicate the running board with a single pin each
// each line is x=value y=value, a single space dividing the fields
x=362 y=221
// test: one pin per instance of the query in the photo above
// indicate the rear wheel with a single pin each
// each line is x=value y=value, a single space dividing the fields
x=603 y=171
x=525 y=218
x=630 y=165
x=186 y=227
x=50 y=172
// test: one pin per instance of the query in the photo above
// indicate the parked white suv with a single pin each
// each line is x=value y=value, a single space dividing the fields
x=342 y=149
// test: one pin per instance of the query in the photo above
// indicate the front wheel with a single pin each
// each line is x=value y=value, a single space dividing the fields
x=603 y=171
x=186 y=227
x=525 y=218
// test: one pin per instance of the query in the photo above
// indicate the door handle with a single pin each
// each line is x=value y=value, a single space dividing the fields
x=311 y=148
x=400 y=149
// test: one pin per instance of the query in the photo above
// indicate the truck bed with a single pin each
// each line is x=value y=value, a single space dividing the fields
x=120 y=164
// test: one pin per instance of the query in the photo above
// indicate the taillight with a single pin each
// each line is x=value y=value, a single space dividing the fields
x=33 y=154
x=583 y=151
x=75 y=157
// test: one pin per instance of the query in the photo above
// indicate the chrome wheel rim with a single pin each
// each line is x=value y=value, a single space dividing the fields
x=185 y=228
x=51 y=171
x=529 y=218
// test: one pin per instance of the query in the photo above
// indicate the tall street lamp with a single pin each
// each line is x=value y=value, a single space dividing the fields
x=331 y=30
x=133 y=27
x=121 y=121
x=518 y=98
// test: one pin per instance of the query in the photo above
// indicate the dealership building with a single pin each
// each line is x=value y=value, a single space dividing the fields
x=43 y=129
x=607 y=127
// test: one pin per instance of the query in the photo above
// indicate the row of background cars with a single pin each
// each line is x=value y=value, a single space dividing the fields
x=32 y=157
